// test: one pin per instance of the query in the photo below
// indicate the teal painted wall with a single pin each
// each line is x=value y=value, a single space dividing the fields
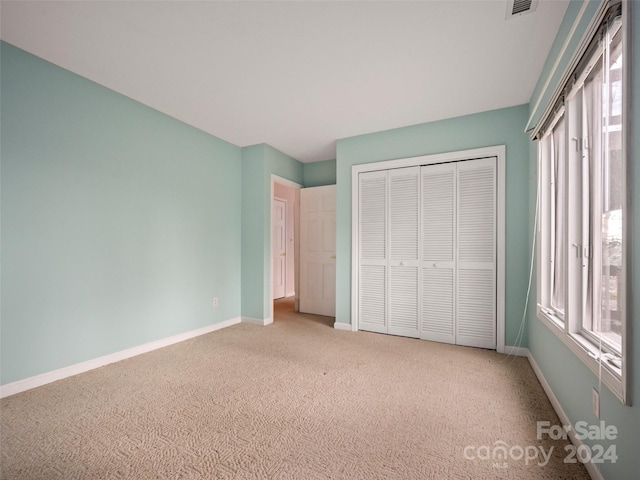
x=498 y=127
x=119 y=224
x=317 y=174
x=259 y=162
x=569 y=379
x=253 y=198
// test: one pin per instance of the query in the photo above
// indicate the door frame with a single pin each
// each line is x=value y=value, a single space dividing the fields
x=296 y=246
x=286 y=243
x=498 y=151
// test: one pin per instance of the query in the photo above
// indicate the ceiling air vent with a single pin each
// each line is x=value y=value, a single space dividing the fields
x=515 y=8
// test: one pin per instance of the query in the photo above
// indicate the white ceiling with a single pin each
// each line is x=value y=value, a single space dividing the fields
x=297 y=75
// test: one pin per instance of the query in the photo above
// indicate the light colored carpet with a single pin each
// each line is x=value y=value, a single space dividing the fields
x=293 y=400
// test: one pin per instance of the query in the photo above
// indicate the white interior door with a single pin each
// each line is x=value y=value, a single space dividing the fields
x=279 y=248
x=318 y=250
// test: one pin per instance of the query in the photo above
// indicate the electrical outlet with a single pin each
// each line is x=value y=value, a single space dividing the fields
x=215 y=301
x=595 y=403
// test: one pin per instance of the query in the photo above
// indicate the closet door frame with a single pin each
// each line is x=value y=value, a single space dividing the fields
x=498 y=152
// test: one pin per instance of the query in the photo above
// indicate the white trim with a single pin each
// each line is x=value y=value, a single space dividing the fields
x=587 y=353
x=286 y=243
x=591 y=467
x=283 y=181
x=516 y=351
x=258 y=321
x=628 y=186
x=355 y=253
x=501 y=247
x=71 y=370
x=498 y=151
x=484 y=152
x=342 y=326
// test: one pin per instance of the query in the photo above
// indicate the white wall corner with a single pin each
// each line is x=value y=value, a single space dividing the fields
x=342 y=326
x=592 y=468
x=71 y=370
x=257 y=321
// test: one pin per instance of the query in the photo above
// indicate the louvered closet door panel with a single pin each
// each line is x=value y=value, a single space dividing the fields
x=403 y=300
x=476 y=275
x=404 y=216
x=373 y=294
x=438 y=252
x=404 y=186
x=372 y=251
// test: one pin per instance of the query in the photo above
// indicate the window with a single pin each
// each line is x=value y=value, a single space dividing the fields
x=581 y=269
x=554 y=158
x=602 y=100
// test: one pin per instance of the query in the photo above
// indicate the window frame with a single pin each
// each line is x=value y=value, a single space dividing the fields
x=592 y=349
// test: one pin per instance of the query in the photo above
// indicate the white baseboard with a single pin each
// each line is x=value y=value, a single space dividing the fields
x=517 y=351
x=48 y=377
x=592 y=469
x=342 y=326
x=257 y=321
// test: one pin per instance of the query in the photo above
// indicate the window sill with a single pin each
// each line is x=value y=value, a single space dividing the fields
x=588 y=353
x=550 y=317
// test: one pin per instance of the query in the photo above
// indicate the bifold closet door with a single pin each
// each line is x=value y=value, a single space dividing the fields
x=403 y=238
x=438 y=252
x=372 y=243
x=427 y=252
x=476 y=253
x=388 y=249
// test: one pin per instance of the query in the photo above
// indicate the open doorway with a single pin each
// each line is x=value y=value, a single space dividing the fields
x=284 y=240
